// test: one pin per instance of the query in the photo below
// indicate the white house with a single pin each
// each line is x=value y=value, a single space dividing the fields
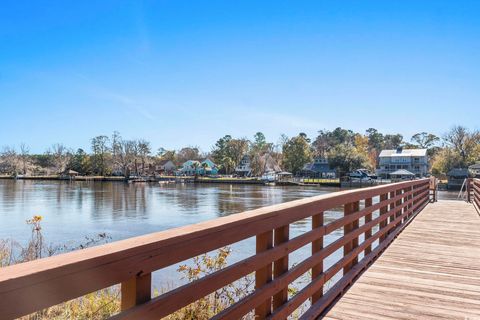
x=413 y=160
x=165 y=166
x=244 y=168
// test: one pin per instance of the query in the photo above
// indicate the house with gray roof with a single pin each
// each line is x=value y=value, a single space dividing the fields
x=413 y=160
x=319 y=168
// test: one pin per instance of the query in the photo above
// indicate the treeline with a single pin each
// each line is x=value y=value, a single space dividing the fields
x=345 y=149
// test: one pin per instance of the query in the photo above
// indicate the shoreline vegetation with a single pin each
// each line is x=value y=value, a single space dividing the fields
x=105 y=303
x=180 y=179
x=344 y=149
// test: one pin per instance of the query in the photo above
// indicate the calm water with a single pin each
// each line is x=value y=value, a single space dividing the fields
x=74 y=210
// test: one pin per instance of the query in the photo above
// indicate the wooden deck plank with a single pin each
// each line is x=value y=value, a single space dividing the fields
x=431 y=271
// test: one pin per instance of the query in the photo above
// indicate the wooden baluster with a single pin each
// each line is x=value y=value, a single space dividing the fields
x=383 y=210
x=280 y=266
x=350 y=208
x=415 y=200
x=264 y=275
x=392 y=206
x=410 y=202
x=368 y=218
x=317 y=245
x=398 y=204
x=136 y=290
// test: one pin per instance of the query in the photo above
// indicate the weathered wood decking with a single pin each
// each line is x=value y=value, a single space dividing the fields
x=431 y=271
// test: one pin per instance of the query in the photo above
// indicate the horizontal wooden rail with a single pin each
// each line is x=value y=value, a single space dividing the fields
x=374 y=215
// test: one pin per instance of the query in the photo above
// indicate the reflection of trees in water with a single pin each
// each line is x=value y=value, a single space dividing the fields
x=10 y=191
x=185 y=196
x=121 y=199
x=167 y=203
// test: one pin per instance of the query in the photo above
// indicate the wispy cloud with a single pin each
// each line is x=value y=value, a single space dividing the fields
x=101 y=92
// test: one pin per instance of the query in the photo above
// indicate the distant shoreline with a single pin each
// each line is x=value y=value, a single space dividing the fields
x=178 y=179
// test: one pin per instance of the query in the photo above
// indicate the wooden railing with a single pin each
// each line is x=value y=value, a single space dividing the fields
x=474 y=192
x=372 y=219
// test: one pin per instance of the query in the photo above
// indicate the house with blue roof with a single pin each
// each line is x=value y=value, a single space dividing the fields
x=202 y=168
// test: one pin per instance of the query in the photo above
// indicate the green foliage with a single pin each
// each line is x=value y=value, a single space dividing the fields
x=345 y=158
x=228 y=152
x=296 y=153
x=100 y=149
x=81 y=163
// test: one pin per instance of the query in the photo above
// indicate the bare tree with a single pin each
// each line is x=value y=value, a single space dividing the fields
x=463 y=142
x=24 y=154
x=9 y=160
x=61 y=157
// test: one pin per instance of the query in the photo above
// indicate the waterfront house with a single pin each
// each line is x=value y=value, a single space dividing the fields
x=189 y=168
x=413 y=160
x=319 y=168
x=244 y=168
x=475 y=170
x=165 y=167
x=456 y=177
x=207 y=167
x=194 y=167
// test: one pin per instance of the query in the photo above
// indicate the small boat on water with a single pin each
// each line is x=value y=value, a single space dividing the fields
x=166 y=182
x=137 y=180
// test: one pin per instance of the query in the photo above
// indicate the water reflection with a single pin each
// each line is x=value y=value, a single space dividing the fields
x=72 y=210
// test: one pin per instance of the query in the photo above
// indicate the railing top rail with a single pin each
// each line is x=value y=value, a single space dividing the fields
x=100 y=267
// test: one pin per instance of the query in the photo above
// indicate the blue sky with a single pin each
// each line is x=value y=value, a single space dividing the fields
x=188 y=72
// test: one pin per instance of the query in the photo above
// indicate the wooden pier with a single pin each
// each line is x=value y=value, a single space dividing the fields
x=403 y=257
x=431 y=271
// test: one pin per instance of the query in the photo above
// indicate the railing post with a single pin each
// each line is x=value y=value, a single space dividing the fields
x=368 y=218
x=280 y=266
x=136 y=290
x=383 y=210
x=350 y=208
x=263 y=275
x=317 y=245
